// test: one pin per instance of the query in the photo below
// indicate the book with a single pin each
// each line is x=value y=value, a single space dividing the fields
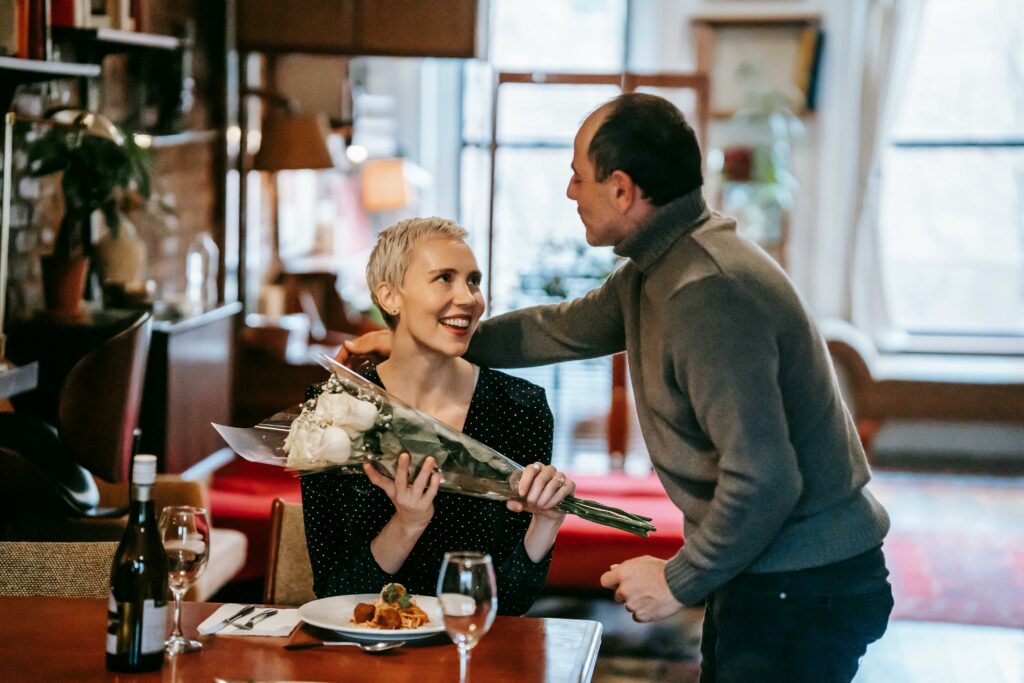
x=9 y=29
x=813 y=85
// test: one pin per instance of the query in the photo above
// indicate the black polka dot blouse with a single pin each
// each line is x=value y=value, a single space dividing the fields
x=345 y=512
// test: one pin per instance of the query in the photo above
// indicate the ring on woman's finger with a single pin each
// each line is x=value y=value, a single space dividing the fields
x=561 y=480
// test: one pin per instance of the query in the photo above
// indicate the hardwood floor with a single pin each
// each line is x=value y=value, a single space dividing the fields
x=910 y=651
x=932 y=652
x=919 y=652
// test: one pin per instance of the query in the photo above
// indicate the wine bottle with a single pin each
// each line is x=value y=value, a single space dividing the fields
x=137 y=606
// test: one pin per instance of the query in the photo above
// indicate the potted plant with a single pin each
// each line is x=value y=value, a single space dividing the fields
x=98 y=164
x=758 y=182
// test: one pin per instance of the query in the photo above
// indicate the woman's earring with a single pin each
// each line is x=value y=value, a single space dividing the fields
x=394 y=312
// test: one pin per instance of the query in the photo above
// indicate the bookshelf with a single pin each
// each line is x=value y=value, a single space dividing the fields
x=103 y=41
x=739 y=53
x=762 y=72
x=15 y=72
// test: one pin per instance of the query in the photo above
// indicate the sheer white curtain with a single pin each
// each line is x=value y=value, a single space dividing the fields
x=871 y=45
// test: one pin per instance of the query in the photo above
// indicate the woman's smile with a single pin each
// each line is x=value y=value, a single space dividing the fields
x=458 y=325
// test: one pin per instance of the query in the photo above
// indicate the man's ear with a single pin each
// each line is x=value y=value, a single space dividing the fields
x=625 y=193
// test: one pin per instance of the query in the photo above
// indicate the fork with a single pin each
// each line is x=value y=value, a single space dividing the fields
x=247 y=626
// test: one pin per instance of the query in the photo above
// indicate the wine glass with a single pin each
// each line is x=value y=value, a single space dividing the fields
x=185 y=533
x=469 y=599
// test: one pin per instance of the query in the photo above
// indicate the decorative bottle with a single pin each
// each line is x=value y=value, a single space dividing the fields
x=137 y=606
x=201 y=273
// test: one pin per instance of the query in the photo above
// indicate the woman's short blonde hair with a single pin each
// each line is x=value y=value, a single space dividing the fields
x=390 y=257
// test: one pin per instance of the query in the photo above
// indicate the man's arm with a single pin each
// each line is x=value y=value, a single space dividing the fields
x=587 y=327
x=729 y=365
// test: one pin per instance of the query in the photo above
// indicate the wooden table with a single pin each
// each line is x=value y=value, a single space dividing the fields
x=62 y=639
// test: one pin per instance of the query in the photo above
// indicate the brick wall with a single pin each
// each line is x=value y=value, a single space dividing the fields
x=187 y=172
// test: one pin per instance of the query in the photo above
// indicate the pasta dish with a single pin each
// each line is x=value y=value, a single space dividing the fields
x=394 y=609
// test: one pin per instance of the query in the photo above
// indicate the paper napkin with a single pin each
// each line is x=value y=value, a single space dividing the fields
x=280 y=624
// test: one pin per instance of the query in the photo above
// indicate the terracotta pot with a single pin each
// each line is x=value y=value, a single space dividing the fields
x=64 y=283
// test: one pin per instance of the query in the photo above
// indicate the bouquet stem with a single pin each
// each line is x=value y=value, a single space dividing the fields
x=608 y=516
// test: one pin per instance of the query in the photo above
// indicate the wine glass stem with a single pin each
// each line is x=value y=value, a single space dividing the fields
x=177 y=612
x=463 y=663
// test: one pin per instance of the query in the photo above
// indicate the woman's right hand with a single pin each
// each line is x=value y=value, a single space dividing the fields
x=414 y=503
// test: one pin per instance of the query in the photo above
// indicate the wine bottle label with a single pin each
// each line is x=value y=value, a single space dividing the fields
x=125 y=626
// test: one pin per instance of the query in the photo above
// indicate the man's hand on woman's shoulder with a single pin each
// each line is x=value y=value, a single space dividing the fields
x=372 y=347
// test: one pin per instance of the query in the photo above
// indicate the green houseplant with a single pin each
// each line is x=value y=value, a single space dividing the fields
x=98 y=165
x=757 y=175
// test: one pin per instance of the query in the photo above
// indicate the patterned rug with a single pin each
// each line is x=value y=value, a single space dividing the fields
x=957 y=577
x=956 y=549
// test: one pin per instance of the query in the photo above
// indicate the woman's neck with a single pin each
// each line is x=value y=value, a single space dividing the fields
x=429 y=381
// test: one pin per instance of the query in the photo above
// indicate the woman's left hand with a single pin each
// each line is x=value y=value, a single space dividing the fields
x=542 y=488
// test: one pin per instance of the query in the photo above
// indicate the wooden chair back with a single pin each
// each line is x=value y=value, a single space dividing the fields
x=101 y=398
x=289 y=579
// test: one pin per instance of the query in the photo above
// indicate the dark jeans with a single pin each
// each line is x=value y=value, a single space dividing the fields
x=811 y=625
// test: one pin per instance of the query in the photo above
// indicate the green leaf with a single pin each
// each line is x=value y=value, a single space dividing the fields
x=93 y=168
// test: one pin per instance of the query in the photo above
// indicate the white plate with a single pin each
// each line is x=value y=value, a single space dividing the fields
x=336 y=614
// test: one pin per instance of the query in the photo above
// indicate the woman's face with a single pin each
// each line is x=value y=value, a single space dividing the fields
x=440 y=302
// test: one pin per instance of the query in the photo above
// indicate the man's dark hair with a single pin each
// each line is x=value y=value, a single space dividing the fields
x=648 y=138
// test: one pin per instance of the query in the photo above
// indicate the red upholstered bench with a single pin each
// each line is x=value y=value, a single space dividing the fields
x=242 y=493
x=240 y=498
x=585 y=550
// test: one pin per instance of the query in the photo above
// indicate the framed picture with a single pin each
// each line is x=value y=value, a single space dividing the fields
x=115 y=14
x=95 y=13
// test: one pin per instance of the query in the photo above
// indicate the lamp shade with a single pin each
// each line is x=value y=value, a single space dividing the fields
x=292 y=142
x=384 y=185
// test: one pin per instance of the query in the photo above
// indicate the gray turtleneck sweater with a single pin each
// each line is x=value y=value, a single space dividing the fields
x=735 y=394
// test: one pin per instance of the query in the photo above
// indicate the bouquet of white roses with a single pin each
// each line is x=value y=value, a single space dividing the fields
x=352 y=421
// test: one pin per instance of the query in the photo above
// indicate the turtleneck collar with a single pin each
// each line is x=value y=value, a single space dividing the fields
x=666 y=225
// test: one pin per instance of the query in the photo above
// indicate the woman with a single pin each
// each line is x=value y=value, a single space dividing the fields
x=364 y=531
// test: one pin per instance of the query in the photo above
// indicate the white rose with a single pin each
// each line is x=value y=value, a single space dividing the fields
x=335 y=445
x=347 y=412
x=302 y=445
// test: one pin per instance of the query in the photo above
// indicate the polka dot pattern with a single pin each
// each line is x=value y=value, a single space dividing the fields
x=345 y=512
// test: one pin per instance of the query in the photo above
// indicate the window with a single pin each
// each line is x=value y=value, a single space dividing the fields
x=536 y=230
x=952 y=202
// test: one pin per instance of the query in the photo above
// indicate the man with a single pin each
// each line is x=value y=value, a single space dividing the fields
x=739 y=409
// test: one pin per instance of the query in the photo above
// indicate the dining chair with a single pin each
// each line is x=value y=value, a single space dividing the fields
x=49 y=487
x=228 y=547
x=56 y=569
x=289 y=579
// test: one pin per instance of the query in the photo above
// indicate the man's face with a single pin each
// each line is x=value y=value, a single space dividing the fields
x=605 y=226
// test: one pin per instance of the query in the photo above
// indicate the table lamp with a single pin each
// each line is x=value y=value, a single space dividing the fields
x=289 y=141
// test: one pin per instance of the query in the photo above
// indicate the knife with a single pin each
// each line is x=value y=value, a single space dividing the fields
x=248 y=609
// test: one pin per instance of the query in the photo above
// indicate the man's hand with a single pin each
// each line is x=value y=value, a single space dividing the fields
x=372 y=346
x=639 y=584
